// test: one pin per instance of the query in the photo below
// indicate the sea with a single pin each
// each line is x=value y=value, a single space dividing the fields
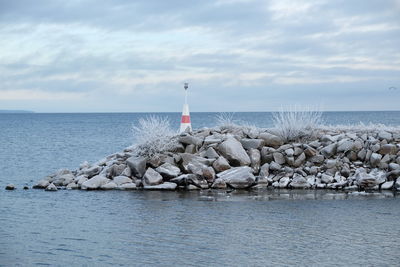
x=201 y=228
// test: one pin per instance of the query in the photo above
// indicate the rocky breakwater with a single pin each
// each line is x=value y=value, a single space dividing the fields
x=246 y=158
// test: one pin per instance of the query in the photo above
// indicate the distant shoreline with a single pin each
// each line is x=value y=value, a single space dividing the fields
x=16 y=111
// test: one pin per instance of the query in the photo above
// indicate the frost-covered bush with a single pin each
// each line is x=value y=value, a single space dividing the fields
x=294 y=124
x=153 y=135
x=225 y=120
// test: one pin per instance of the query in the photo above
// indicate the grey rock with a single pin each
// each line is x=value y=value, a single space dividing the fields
x=10 y=187
x=209 y=174
x=221 y=164
x=42 y=184
x=81 y=179
x=211 y=139
x=127 y=172
x=310 y=151
x=375 y=159
x=331 y=163
x=151 y=177
x=190 y=140
x=318 y=159
x=357 y=146
x=375 y=147
x=279 y=158
x=266 y=155
x=255 y=158
x=329 y=150
x=362 y=154
x=109 y=186
x=92 y=171
x=234 y=152
x=219 y=184
x=300 y=160
x=72 y=185
x=297 y=150
x=252 y=143
x=168 y=170
x=264 y=170
x=315 y=144
x=273 y=166
x=127 y=186
x=345 y=145
x=327 y=179
x=191 y=149
x=163 y=186
x=289 y=152
x=284 y=182
x=120 y=180
x=238 y=177
x=387 y=185
x=211 y=153
x=137 y=166
x=51 y=187
x=385 y=135
x=271 y=140
x=388 y=149
x=194 y=163
x=394 y=166
x=299 y=181
x=94 y=183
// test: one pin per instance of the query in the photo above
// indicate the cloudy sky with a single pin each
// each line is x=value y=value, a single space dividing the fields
x=237 y=55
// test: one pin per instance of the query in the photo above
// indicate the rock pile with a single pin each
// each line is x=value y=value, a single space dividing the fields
x=240 y=159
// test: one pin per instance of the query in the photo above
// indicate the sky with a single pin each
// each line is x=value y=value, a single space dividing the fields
x=237 y=55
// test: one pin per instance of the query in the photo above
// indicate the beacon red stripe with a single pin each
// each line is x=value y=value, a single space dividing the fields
x=185 y=119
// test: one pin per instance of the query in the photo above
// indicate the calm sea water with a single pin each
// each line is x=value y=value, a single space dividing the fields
x=68 y=228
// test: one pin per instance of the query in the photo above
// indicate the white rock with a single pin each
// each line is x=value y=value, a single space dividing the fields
x=387 y=185
x=120 y=180
x=109 y=186
x=234 y=152
x=168 y=170
x=94 y=183
x=283 y=182
x=327 y=179
x=72 y=185
x=41 y=184
x=151 y=177
x=375 y=159
x=279 y=158
x=238 y=177
x=51 y=187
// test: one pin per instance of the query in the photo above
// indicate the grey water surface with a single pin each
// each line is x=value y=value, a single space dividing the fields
x=134 y=228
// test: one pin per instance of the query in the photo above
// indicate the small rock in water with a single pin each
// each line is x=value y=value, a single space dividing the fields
x=10 y=187
x=26 y=187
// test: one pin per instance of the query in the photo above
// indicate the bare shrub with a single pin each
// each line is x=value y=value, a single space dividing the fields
x=294 y=124
x=225 y=120
x=153 y=135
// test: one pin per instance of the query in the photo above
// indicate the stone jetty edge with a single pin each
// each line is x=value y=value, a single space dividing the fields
x=247 y=159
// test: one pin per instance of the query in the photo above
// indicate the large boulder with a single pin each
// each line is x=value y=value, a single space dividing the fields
x=329 y=150
x=255 y=158
x=95 y=182
x=92 y=171
x=234 y=152
x=271 y=140
x=191 y=162
x=299 y=182
x=238 y=177
x=375 y=159
x=120 y=180
x=151 y=177
x=109 y=186
x=252 y=143
x=168 y=170
x=42 y=184
x=221 y=164
x=190 y=140
x=137 y=165
x=388 y=149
